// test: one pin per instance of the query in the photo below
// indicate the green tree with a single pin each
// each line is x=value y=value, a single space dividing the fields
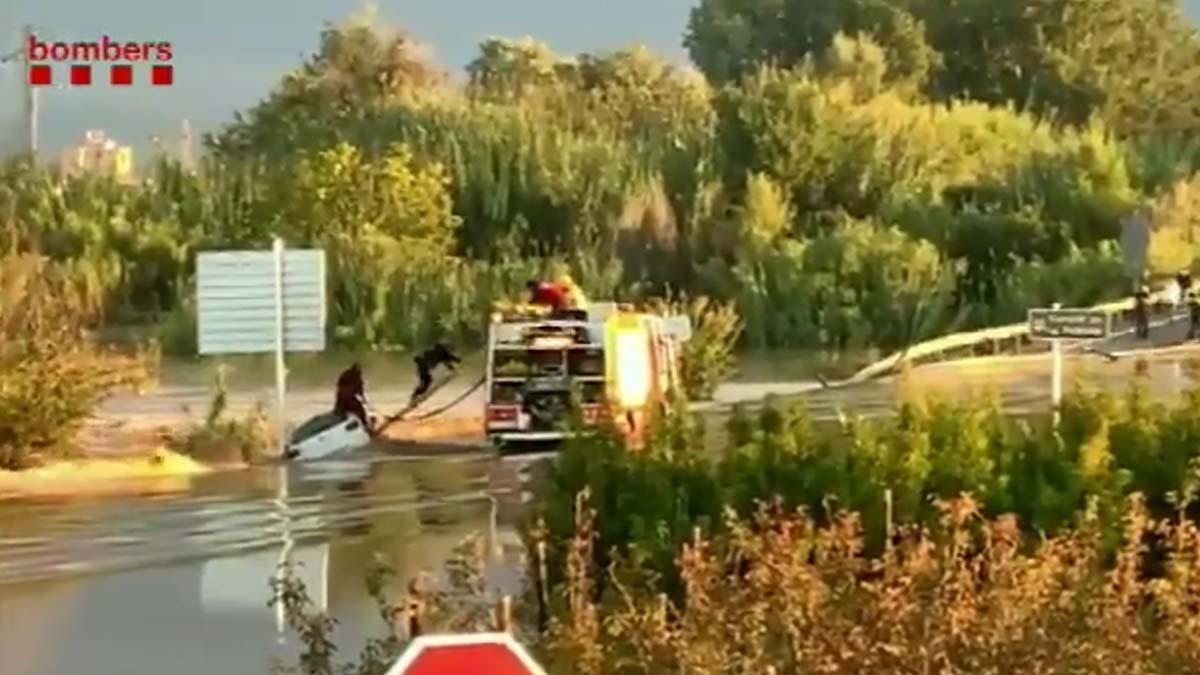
x=1133 y=62
x=339 y=193
x=730 y=39
x=508 y=70
x=359 y=70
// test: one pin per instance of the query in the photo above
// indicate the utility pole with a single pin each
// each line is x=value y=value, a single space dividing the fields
x=31 y=94
x=21 y=54
x=185 y=145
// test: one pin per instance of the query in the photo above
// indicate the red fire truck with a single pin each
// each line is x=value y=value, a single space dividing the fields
x=617 y=364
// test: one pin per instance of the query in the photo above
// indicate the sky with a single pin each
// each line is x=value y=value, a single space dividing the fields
x=223 y=64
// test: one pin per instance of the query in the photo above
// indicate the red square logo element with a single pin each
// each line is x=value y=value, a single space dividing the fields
x=162 y=75
x=81 y=75
x=121 y=75
x=39 y=75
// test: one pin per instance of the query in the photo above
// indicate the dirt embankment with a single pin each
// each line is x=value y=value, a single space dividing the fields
x=465 y=428
x=150 y=471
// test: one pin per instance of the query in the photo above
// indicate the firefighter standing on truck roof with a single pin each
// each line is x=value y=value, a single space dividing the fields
x=560 y=297
x=547 y=294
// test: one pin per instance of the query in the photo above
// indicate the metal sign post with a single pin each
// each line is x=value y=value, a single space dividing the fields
x=1057 y=324
x=1135 y=241
x=1056 y=383
x=258 y=302
x=280 y=365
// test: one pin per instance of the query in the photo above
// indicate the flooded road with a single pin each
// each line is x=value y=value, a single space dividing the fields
x=179 y=582
x=131 y=585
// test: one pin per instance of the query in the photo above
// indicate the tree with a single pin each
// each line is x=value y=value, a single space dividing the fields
x=765 y=215
x=730 y=39
x=1133 y=62
x=339 y=193
x=509 y=70
x=358 y=71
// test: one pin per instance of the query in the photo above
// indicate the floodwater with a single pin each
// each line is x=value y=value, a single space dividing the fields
x=179 y=582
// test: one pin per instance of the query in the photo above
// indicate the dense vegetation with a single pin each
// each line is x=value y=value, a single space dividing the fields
x=1107 y=447
x=1009 y=549
x=851 y=174
x=52 y=374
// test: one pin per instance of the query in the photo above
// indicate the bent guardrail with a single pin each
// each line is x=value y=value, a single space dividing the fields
x=1016 y=334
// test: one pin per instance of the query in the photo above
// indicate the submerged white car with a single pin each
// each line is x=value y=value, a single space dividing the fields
x=329 y=434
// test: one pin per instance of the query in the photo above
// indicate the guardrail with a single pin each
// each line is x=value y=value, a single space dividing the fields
x=993 y=338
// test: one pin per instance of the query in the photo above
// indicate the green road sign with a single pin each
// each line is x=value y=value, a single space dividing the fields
x=1054 y=324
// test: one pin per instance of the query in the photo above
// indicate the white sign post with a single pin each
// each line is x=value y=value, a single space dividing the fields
x=1056 y=386
x=280 y=366
x=256 y=302
x=1056 y=324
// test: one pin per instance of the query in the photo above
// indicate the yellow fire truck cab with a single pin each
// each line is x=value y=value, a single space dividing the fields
x=618 y=362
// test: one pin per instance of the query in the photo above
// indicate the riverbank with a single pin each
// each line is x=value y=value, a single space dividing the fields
x=149 y=471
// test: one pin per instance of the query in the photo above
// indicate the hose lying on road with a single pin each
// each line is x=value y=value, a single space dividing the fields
x=402 y=415
x=461 y=397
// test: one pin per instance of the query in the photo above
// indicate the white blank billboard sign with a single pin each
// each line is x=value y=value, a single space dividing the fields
x=236 y=301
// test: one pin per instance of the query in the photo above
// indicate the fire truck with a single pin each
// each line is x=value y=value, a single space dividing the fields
x=608 y=363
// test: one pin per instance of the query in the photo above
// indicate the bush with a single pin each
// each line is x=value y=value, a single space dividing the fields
x=782 y=591
x=221 y=440
x=52 y=374
x=932 y=448
x=177 y=333
x=708 y=359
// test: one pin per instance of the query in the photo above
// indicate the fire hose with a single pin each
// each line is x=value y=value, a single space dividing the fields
x=402 y=415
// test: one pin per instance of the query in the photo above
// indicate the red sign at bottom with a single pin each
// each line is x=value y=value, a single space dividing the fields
x=460 y=654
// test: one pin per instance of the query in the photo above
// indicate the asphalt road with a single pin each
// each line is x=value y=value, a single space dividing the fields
x=1023 y=383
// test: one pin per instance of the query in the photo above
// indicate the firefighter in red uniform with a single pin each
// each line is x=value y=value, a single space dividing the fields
x=555 y=296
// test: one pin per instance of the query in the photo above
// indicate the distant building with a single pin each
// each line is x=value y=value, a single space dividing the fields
x=98 y=154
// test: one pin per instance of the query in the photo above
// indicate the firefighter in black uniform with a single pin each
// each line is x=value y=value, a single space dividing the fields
x=426 y=361
x=1141 y=312
x=1193 y=301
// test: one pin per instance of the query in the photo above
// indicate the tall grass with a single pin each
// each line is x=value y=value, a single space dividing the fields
x=785 y=592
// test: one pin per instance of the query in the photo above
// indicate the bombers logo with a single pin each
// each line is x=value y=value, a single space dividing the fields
x=80 y=55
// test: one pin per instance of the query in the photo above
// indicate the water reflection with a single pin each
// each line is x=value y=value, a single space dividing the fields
x=187 y=583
